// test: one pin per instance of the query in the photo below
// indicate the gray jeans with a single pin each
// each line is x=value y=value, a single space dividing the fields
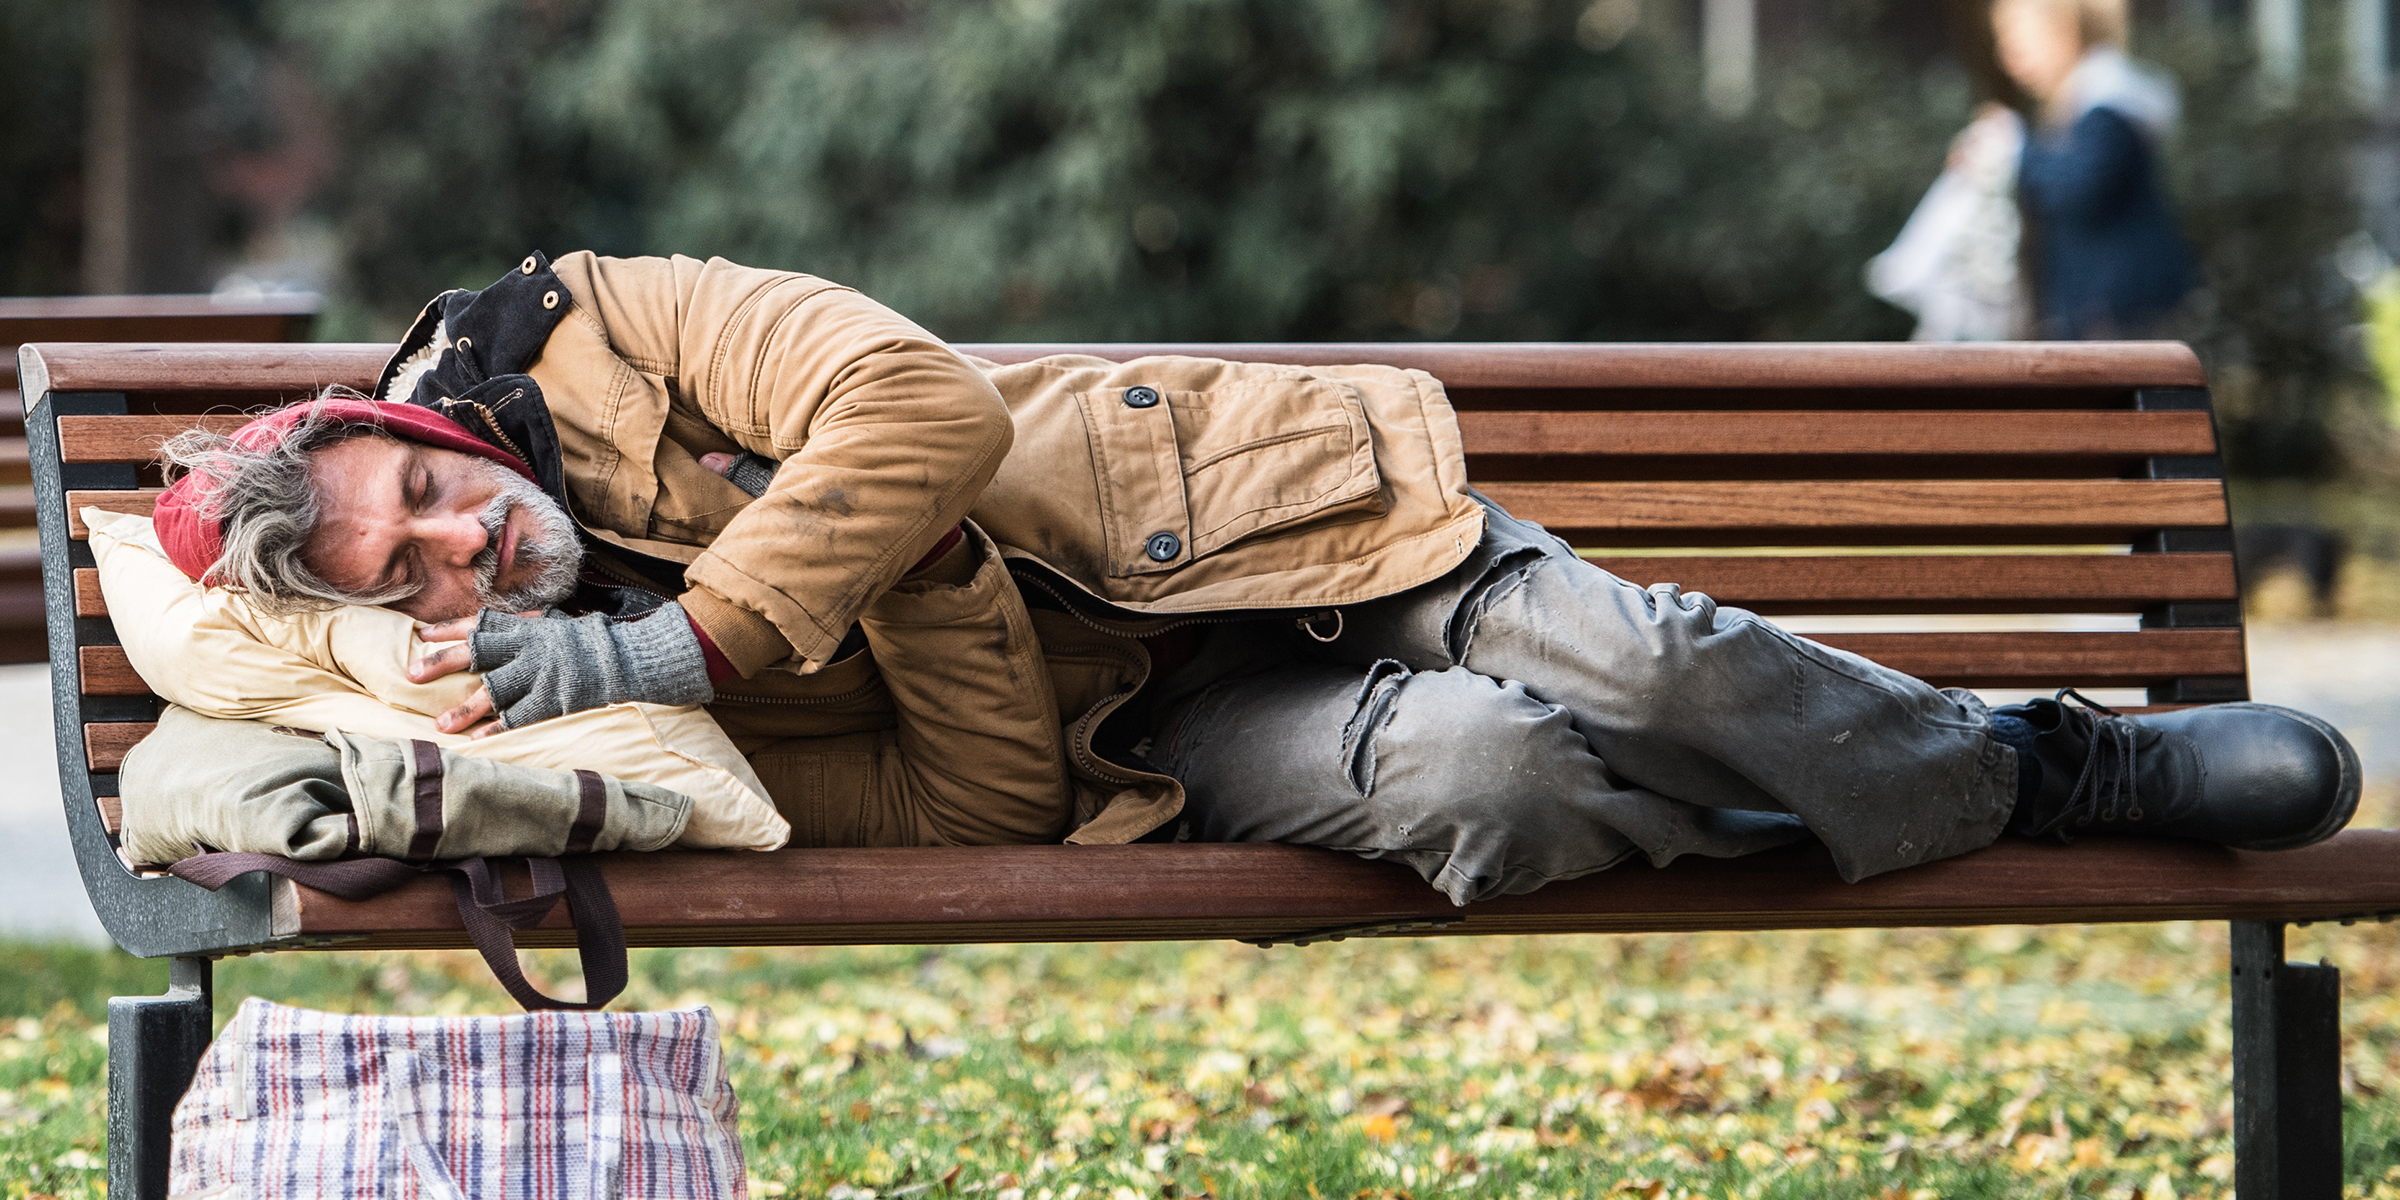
x=1530 y=717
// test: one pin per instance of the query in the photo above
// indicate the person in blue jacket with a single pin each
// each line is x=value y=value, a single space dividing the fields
x=2102 y=247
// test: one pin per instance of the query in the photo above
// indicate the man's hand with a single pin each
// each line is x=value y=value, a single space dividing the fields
x=537 y=667
x=749 y=472
x=450 y=660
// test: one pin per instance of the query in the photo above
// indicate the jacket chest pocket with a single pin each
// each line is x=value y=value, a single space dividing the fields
x=1184 y=474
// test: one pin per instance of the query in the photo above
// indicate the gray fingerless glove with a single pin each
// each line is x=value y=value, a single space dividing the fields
x=543 y=667
x=752 y=472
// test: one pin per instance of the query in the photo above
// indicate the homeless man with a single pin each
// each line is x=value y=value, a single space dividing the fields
x=936 y=600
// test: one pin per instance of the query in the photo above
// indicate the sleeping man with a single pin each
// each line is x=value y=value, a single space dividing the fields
x=935 y=600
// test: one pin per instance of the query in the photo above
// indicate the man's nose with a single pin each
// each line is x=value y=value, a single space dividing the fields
x=455 y=538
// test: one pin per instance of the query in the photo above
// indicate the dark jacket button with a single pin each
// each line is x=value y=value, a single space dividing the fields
x=1163 y=547
x=1141 y=397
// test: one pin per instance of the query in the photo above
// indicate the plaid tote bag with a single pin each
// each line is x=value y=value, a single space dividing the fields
x=290 y=1103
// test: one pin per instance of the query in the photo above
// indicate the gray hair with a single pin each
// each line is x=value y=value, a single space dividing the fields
x=266 y=506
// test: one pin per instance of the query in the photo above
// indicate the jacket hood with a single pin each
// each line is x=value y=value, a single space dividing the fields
x=2140 y=93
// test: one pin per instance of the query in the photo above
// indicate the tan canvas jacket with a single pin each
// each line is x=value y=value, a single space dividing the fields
x=1139 y=491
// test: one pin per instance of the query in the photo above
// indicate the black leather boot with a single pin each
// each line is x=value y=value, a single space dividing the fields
x=2251 y=776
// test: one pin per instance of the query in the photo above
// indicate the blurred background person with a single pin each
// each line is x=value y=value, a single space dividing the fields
x=2101 y=244
x=1954 y=264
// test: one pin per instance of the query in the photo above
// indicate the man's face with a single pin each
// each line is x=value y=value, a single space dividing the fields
x=456 y=532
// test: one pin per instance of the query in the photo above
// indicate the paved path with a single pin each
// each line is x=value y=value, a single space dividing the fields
x=41 y=894
x=2349 y=674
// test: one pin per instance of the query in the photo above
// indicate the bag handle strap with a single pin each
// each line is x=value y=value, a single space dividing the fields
x=484 y=908
x=492 y=921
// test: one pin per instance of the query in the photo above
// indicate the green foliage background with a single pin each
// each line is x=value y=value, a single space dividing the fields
x=1241 y=169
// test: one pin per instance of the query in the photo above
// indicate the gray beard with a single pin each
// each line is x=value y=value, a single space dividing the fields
x=552 y=547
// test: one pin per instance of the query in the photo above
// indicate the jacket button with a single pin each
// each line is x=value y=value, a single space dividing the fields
x=1144 y=397
x=1163 y=547
x=527 y=265
x=549 y=299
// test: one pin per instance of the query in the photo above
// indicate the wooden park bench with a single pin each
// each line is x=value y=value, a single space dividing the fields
x=1893 y=480
x=97 y=319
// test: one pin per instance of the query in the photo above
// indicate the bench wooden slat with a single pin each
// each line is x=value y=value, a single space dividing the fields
x=1949 y=506
x=138 y=501
x=2051 y=659
x=1868 y=583
x=1783 y=510
x=1042 y=893
x=112 y=813
x=1950 y=659
x=1856 y=583
x=1703 y=365
x=2103 y=435
x=107 y=672
x=267 y=369
x=89 y=602
x=1705 y=434
x=1907 y=583
x=133 y=438
x=163 y=367
x=105 y=742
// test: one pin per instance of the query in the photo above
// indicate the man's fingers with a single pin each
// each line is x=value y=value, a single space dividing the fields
x=718 y=461
x=476 y=708
x=447 y=631
x=449 y=660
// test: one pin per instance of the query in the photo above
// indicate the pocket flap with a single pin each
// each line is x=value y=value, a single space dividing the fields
x=1184 y=474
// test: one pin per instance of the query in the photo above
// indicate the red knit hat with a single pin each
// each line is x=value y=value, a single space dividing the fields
x=193 y=539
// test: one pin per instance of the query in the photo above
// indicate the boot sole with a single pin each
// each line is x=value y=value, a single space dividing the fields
x=2345 y=803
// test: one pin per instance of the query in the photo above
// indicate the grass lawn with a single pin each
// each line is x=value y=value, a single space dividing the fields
x=1893 y=1065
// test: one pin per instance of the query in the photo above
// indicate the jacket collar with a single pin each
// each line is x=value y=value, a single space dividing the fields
x=465 y=358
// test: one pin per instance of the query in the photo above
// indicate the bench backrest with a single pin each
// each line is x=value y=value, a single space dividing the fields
x=97 y=319
x=1904 y=486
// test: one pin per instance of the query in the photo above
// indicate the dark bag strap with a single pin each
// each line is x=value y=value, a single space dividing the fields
x=491 y=918
x=492 y=921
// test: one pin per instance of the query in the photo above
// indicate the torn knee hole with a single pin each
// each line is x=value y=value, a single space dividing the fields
x=1504 y=577
x=1378 y=697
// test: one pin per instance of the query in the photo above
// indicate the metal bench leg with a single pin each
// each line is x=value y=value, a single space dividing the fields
x=154 y=1044
x=2287 y=1071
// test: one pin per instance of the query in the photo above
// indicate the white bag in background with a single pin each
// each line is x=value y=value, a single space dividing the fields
x=291 y=1104
x=1955 y=263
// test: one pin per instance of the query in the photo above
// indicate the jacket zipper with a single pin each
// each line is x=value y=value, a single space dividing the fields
x=1080 y=738
x=801 y=701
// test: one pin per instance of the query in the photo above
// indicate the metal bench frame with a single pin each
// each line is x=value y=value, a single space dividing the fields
x=1525 y=411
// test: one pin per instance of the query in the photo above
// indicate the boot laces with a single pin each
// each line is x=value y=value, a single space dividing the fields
x=2105 y=789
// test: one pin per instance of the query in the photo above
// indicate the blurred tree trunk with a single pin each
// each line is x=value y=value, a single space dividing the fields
x=146 y=219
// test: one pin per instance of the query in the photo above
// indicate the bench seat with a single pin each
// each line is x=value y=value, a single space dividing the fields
x=1270 y=893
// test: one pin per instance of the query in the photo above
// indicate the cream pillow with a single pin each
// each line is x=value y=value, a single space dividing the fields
x=211 y=651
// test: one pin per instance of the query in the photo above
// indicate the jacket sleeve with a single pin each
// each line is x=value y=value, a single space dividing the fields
x=977 y=755
x=885 y=436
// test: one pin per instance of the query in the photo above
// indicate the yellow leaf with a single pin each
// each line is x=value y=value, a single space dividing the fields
x=1381 y=1127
